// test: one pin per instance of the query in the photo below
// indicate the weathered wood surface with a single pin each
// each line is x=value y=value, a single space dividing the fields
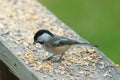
x=103 y=69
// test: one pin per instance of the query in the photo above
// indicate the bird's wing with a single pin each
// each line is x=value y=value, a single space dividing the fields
x=57 y=42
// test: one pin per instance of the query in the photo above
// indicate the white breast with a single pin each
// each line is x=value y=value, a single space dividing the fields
x=57 y=50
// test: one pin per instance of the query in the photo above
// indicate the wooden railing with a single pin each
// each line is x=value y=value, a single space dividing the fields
x=19 y=20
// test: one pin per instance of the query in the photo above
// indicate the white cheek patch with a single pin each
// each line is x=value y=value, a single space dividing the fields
x=39 y=39
x=44 y=37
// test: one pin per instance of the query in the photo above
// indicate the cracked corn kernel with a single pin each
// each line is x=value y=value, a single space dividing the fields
x=83 y=49
x=45 y=76
x=68 y=64
x=48 y=67
x=71 y=58
x=10 y=46
x=36 y=69
x=27 y=38
x=19 y=54
x=34 y=17
x=26 y=62
x=117 y=65
x=31 y=57
x=81 y=72
x=91 y=50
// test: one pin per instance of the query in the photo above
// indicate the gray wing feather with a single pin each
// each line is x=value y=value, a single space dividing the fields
x=57 y=42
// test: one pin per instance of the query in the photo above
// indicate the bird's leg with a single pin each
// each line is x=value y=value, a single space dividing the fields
x=49 y=58
x=59 y=60
x=61 y=57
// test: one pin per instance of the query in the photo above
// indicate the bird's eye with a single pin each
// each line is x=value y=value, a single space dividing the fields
x=41 y=42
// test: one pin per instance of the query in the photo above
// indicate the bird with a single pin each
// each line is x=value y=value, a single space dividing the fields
x=57 y=45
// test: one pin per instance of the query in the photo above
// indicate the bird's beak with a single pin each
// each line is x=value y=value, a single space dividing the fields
x=34 y=43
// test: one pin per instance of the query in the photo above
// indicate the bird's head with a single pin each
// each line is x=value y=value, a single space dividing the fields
x=42 y=36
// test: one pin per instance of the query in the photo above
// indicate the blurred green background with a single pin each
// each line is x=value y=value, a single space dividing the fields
x=98 y=21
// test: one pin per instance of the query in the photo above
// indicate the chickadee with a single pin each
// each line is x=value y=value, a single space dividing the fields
x=54 y=44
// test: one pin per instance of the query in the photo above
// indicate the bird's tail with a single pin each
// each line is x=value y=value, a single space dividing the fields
x=94 y=45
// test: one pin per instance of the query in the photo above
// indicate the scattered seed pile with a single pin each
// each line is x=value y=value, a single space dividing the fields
x=21 y=19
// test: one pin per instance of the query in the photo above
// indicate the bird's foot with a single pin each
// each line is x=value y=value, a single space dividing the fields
x=57 y=61
x=49 y=58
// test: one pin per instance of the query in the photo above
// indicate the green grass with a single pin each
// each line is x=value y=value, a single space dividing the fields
x=98 y=21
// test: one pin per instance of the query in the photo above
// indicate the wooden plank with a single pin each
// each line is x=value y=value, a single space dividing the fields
x=75 y=67
x=17 y=66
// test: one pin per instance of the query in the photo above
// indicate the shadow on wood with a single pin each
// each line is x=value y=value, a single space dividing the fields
x=5 y=73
